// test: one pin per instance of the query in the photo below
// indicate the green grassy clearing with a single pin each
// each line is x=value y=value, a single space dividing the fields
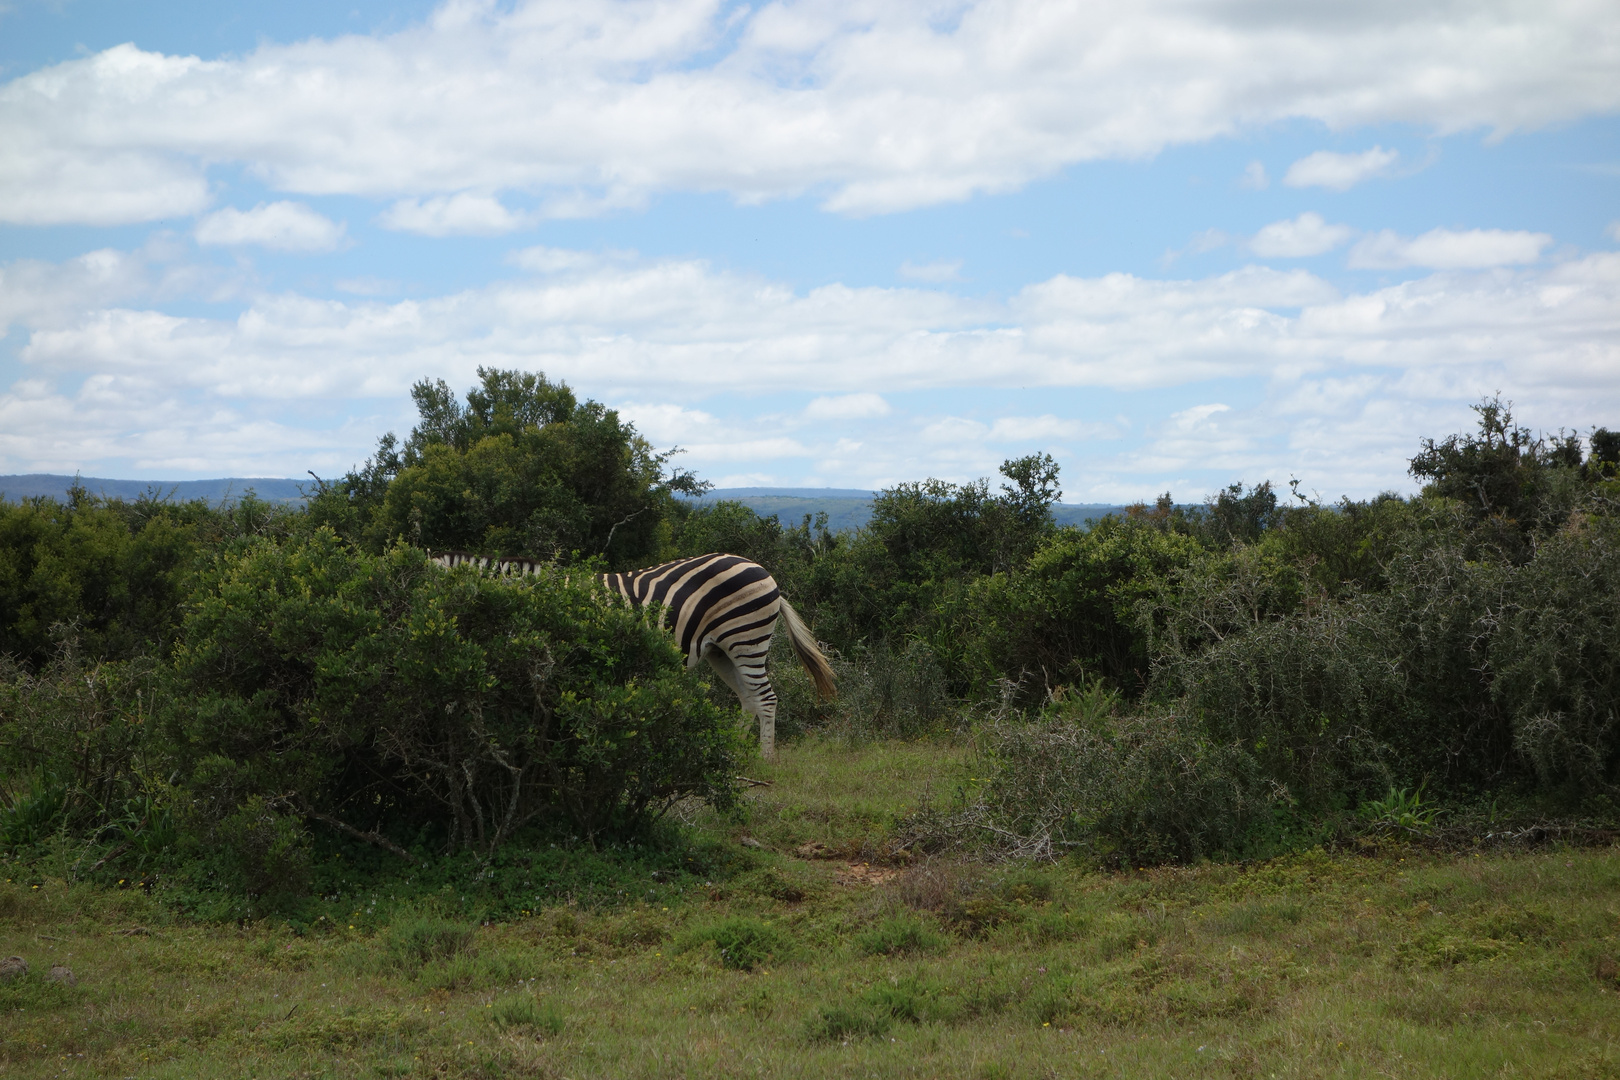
x=1390 y=963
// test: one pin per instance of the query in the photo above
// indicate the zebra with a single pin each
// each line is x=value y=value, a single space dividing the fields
x=721 y=608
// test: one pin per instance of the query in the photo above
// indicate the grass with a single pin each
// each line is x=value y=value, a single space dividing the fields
x=846 y=797
x=1394 y=962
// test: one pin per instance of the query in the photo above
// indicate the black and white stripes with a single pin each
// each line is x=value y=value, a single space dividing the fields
x=722 y=609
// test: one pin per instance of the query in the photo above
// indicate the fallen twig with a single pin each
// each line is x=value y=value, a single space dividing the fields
x=113 y=854
x=344 y=827
x=751 y=782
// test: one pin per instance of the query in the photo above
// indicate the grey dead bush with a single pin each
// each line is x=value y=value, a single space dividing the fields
x=1117 y=787
x=1149 y=786
x=1556 y=656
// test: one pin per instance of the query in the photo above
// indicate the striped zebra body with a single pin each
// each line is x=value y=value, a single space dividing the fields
x=722 y=609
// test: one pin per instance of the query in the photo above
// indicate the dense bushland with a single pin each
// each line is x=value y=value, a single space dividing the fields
x=213 y=693
x=311 y=684
x=1268 y=668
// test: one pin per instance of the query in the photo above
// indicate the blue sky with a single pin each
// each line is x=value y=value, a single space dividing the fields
x=822 y=243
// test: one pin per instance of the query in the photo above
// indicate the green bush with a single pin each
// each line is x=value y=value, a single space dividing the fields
x=415 y=942
x=347 y=687
x=1069 y=613
x=843 y=1023
x=32 y=814
x=524 y=1012
x=109 y=575
x=1510 y=481
x=888 y=694
x=901 y=935
x=909 y=1000
x=258 y=851
x=887 y=582
x=742 y=943
x=1467 y=669
x=1312 y=695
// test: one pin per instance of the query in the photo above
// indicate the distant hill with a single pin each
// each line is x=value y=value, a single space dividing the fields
x=850 y=508
x=846 y=508
x=270 y=489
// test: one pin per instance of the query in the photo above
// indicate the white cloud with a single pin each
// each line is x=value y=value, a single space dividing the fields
x=748 y=450
x=1254 y=177
x=941 y=270
x=43 y=182
x=280 y=226
x=1194 y=439
x=847 y=407
x=1305 y=235
x=150 y=429
x=1443 y=249
x=1198 y=416
x=38 y=294
x=667 y=424
x=955 y=432
x=1339 y=172
x=246 y=394
x=705 y=438
x=1208 y=240
x=42 y=295
x=683 y=326
x=595 y=104
x=1046 y=428
x=366 y=286
x=550 y=260
x=465 y=214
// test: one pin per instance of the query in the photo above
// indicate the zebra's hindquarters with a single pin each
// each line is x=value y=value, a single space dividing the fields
x=723 y=609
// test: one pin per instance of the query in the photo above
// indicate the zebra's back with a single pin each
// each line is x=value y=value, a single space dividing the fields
x=712 y=597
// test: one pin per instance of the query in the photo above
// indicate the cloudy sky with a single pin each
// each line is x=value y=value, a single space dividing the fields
x=818 y=243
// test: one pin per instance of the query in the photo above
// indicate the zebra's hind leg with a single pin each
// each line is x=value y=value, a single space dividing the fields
x=760 y=702
x=764 y=707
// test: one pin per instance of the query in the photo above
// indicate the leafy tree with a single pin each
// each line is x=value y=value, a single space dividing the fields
x=1348 y=544
x=926 y=541
x=1504 y=474
x=726 y=526
x=1230 y=516
x=523 y=468
x=1556 y=657
x=1033 y=490
x=1238 y=517
x=1604 y=461
x=1069 y=614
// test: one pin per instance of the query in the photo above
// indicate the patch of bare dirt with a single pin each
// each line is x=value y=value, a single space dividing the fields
x=864 y=874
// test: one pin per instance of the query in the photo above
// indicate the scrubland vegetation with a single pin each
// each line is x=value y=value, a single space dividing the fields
x=1263 y=786
x=704 y=956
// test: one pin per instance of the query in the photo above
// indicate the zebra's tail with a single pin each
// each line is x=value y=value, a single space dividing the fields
x=804 y=647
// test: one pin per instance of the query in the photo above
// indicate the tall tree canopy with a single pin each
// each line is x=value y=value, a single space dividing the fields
x=522 y=468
